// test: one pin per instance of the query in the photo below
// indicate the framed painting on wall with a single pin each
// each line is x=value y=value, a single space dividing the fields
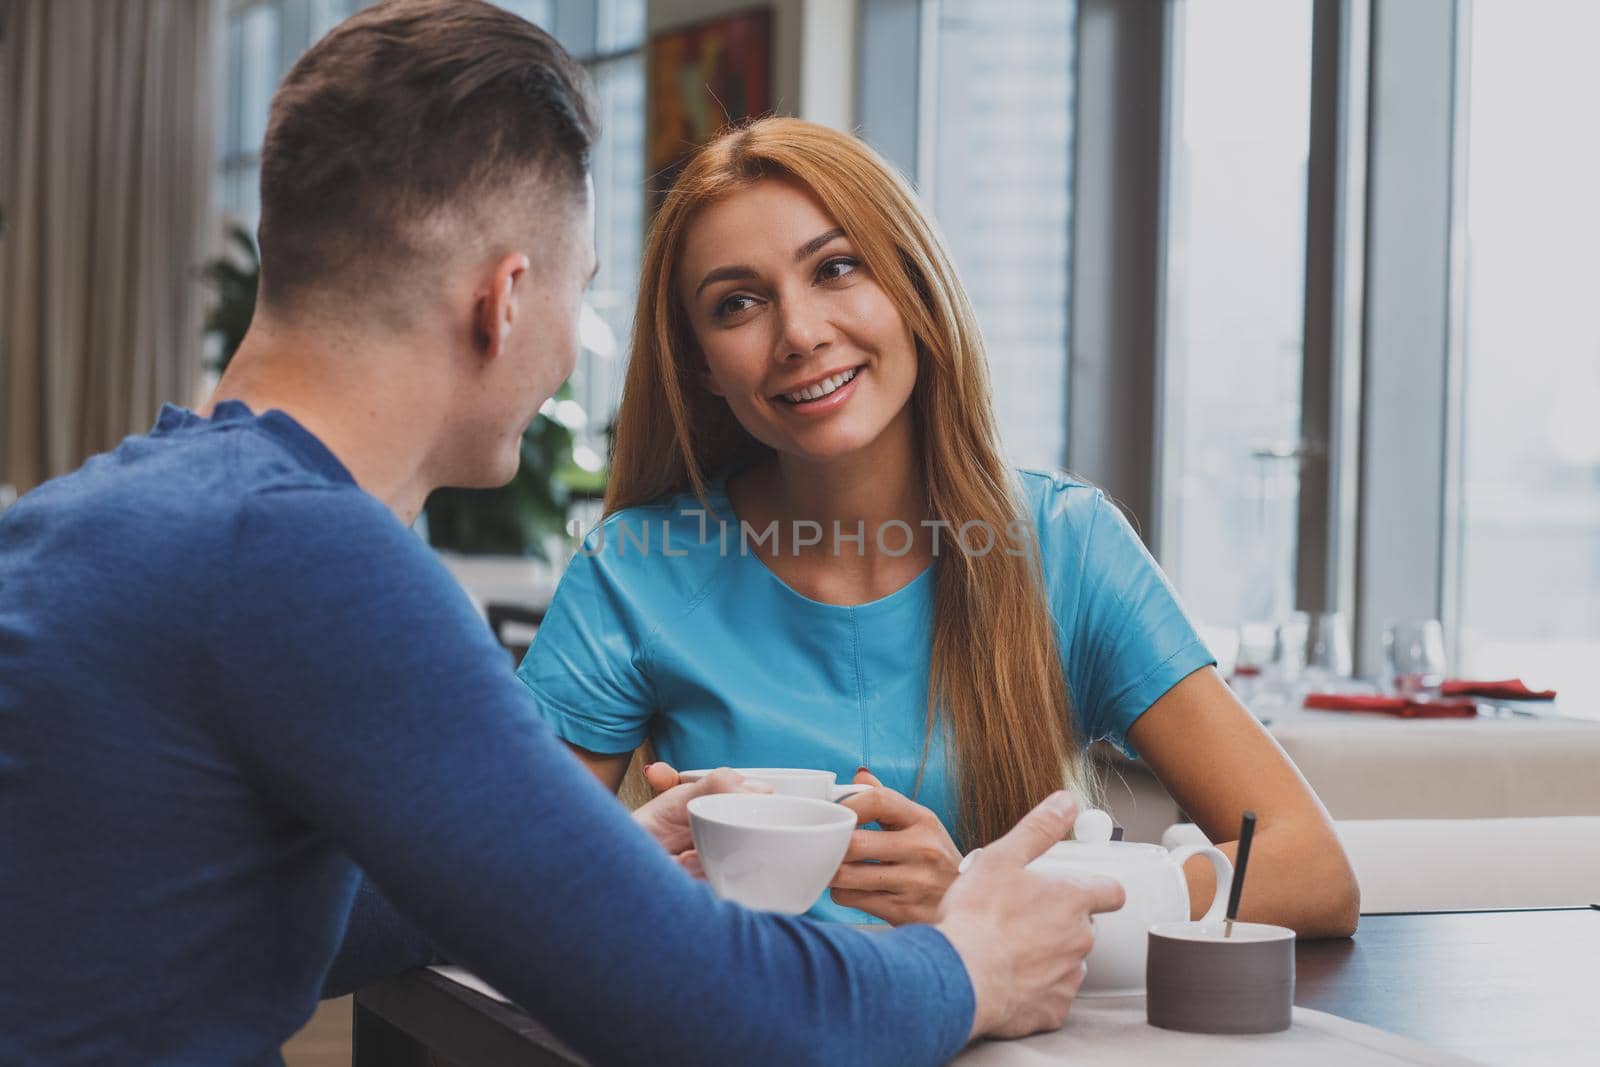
x=701 y=78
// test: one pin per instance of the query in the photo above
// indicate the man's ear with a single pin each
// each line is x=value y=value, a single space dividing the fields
x=495 y=310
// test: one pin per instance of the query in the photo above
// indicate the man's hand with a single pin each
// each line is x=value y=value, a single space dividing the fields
x=1024 y=936
x=666 y=817
x=899 y=873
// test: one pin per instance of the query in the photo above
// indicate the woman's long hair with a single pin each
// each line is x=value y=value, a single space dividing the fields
x=996 y=683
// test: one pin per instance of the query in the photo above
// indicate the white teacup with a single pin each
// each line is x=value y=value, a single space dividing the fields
x=790 y=781
x=770 y=852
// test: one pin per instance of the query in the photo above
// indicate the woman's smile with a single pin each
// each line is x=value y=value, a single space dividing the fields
x=823 y=395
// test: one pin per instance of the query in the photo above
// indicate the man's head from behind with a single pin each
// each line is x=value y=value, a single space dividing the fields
x=425 y=176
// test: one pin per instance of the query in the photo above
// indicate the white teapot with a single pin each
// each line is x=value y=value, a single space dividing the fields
x=1156 y=889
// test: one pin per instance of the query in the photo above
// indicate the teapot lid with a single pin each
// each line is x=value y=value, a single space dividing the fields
x=1092 y=847
x=1093 y=827
x=1092 y=844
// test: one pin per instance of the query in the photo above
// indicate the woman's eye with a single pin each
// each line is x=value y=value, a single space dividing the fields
x=837 y=268
x=733 y=305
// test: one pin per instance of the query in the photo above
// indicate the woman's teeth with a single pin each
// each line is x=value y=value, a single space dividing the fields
x=821 y=389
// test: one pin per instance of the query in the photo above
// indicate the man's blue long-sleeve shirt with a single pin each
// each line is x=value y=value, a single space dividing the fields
x=230 y=682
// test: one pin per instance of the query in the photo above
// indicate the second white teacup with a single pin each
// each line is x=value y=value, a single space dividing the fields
x=791 y=781
x=767 y=851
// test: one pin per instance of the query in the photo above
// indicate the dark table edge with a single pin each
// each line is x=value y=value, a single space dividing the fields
x=453 y=1028
x=456 y=1031
x=1481 y=911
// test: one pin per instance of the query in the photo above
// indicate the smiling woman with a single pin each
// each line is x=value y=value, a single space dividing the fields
x=806 y=361
x=803 y=290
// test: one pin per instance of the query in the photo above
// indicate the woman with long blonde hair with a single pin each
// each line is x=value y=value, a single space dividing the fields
x=814 y=555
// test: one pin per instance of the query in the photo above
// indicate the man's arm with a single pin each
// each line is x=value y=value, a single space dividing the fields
x=372 y=701
x=378 y=943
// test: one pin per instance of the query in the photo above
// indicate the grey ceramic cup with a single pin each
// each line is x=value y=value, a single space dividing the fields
x=1199 y=981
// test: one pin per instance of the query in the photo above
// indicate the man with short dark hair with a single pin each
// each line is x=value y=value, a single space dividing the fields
x=232 y=682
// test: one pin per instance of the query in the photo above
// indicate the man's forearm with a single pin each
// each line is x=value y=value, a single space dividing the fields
x=378 y=943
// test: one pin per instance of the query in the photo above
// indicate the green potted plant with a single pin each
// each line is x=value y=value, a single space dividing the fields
x=233 y=277
x=521 y=518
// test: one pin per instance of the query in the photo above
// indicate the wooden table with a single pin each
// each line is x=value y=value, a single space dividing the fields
x=1503 y=987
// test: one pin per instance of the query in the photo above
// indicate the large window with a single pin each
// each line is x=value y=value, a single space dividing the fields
x=1001 y=191
x=1235 y=286
x=1528 y=536
x=974 y=100
x=253 y=66
x=265 y=37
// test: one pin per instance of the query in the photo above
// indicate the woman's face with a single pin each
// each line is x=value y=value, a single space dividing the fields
x=796 y=334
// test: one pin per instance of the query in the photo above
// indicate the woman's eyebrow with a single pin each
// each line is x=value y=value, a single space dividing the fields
x=739 y=272
x=811 y=247
x=723 y=274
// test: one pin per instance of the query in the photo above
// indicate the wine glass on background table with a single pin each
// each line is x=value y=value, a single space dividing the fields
x=1328 y=659
x=1281 y=676
x=1414 y=652
x=1253 y=659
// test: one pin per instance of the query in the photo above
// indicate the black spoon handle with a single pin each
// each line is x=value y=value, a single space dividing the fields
x=1247 y=830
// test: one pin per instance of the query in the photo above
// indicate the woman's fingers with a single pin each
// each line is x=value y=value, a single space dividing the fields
x=921 y=880
x=900 y=873
x=728 y=780
x=660 y=776
x=872 y=877
x=881 y=846
x=882 y=805
x=917 y=845
x=690 y=861
x=663 y=778
x=892 y=909
x=862 y=900
x=865 y=777
x=911 y=860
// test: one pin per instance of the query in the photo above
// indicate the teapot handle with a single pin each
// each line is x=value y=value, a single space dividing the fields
x=1220 y=864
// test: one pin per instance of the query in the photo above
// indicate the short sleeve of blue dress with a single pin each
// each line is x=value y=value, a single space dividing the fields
x=587 y=665
x=1125 y=639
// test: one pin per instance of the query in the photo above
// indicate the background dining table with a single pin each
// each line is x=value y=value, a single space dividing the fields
x=1537 y=760
x=1512 y=988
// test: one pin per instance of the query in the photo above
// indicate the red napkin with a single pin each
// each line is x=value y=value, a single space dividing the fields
x=1510 y=689
x=1407 y=709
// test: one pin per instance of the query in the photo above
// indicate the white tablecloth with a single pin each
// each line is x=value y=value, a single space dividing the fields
x=1382 y=767
x=1114 y=1030
x=1367 y=766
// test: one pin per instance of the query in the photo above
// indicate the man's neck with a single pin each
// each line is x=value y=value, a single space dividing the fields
x=370 y=401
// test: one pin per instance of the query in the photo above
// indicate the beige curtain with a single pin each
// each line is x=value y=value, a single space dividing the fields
x=106 y=178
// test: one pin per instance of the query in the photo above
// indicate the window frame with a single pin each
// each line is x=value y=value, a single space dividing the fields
x=1383 y=301
x=1413 y=319
x=1383 y=318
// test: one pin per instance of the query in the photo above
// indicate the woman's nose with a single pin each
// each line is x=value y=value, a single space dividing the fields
x=806 y=329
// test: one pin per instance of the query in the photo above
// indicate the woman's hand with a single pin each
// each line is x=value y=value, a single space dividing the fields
x=666 y=817
x=898 y=873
